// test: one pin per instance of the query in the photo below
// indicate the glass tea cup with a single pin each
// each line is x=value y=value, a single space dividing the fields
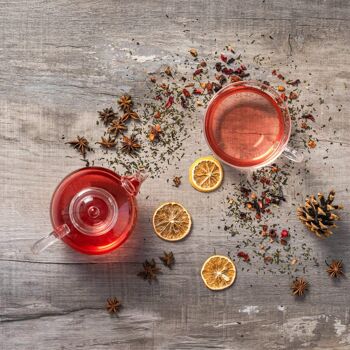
x=247 y=126
x=93 y=210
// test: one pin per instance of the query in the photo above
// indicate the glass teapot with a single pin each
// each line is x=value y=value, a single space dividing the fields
x=93 y=210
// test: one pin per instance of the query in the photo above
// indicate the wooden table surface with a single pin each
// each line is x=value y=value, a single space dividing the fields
x=60 y=62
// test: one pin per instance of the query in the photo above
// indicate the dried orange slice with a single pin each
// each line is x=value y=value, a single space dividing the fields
x=218 y=272
x=171 y=221
x=206 y=174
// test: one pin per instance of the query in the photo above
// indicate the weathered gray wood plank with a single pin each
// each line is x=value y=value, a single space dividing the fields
x=61 y=61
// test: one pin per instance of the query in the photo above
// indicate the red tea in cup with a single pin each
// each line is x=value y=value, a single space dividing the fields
x=247 y=125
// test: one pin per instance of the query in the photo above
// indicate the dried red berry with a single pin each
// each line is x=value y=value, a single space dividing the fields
x=284 y=234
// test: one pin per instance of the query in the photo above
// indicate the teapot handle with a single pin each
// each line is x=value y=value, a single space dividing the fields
x=50 y=239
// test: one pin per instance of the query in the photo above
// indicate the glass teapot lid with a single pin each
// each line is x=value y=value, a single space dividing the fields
x=93 y=211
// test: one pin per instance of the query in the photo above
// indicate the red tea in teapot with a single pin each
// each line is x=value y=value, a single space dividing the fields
x=93 y=210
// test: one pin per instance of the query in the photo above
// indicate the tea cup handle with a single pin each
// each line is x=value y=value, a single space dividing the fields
x=293 y=154
x=50 y=239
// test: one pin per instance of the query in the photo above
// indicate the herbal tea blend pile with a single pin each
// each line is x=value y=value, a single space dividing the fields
x=151 y=134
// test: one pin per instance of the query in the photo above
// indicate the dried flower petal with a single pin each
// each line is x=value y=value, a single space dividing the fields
x=244 y=256
x=311 y=143
x=170 y=102
x=155 y=132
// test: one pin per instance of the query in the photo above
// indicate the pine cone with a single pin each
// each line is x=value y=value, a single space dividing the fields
x=318 y=215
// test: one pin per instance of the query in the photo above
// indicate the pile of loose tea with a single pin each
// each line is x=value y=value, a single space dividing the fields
x=152 y=134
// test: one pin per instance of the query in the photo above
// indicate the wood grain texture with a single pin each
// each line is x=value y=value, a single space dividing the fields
x=60 y=61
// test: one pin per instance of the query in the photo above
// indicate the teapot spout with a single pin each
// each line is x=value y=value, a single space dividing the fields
x=133 y=183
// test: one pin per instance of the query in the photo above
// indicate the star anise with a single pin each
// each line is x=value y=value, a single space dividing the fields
x=154 y=133
x=177 y=181
x=168 y=259
x=81 y=144
x=113 y=305
x=299 y=286
x=107 y=142
x=125 y=102
x=130 y=144
x=335 y=269
x=130 y=114
x=107 y=115
x=117 y=126
x=150 y=271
